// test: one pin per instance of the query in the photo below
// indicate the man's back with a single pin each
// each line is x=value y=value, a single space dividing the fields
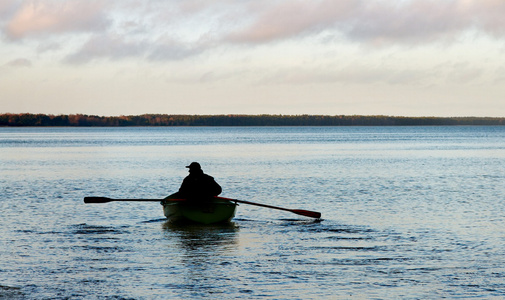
x=199 y=185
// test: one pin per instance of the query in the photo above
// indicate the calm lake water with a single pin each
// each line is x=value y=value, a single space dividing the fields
x=408 y=213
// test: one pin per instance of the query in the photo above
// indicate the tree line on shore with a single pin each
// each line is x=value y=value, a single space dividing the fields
x=27 y=119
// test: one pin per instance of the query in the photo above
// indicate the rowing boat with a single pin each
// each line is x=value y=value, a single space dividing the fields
x=215 y=210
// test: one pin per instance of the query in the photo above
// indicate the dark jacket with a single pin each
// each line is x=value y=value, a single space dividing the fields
x=198 y=185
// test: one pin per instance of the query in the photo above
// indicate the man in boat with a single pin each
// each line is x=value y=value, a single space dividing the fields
x=197 y=186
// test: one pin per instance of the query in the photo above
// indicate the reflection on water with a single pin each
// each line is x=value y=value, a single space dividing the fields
x=204 y=254
x=195 y=239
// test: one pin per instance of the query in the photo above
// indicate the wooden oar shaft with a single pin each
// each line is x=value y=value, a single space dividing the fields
x=307 y=213
x=254 y=203
x=105 y=200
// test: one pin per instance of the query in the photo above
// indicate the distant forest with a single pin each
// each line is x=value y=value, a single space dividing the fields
x=237 y=120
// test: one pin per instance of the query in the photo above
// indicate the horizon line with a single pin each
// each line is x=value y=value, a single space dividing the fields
x=248 y=115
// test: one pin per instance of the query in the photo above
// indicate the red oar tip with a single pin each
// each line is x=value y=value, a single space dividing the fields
x=307 y=213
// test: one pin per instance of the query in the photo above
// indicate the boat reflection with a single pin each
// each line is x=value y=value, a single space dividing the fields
x=196 y=239
x=202 y=257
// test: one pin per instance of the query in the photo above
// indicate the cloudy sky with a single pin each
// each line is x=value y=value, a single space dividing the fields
x=331 y=57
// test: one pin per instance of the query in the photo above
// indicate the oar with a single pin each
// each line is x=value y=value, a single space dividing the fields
x=105 y=200
x=302 y=212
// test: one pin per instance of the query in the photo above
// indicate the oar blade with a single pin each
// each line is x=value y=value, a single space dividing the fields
x=307 y=213
x=97 y=200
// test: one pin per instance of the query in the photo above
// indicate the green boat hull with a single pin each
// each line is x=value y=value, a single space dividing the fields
x=208 y=212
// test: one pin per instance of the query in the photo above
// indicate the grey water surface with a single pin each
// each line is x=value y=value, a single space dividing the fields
x=408 y=213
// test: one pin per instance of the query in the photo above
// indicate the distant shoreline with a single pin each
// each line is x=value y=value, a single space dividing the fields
x=81 y=120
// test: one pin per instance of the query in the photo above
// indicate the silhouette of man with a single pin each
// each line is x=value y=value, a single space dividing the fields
x=197 y=186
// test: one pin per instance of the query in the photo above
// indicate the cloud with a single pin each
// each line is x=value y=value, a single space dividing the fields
x=375 y=21
x=360 y=74
x=290 y=18
x=173 y=50
x=19 y=62
x=489 y=15
x=46 y=17
x=420 y=21
x=176 y=30
x=107 y=46
x=7 y=8
x=462 y=73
